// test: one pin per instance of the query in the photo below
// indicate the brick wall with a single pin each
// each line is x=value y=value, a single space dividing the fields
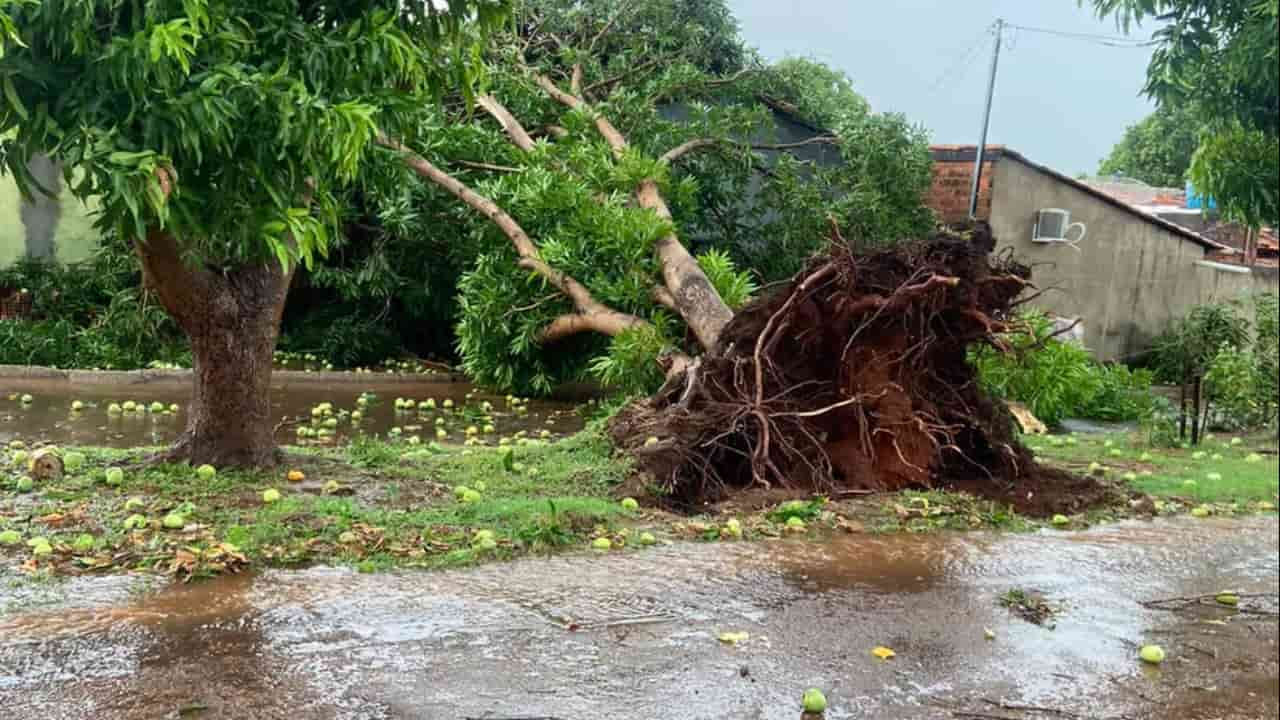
x=953 y=181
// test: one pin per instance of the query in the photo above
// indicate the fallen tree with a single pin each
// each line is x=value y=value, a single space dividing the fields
x=854 y=376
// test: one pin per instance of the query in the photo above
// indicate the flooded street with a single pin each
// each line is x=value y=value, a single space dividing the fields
x=50 y=417
x=635 y=635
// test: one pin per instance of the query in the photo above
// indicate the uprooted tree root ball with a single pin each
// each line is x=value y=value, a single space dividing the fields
x=855 y=376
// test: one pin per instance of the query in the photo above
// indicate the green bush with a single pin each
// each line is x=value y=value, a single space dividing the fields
x=1057 y=379
x=1236 y=356
x=91 y=314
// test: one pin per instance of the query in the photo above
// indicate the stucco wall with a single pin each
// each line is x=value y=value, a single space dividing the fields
x=1130 y=279
x=45 y=227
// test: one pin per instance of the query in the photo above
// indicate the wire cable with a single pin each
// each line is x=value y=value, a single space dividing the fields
x=958 y=68
x=1107 y=40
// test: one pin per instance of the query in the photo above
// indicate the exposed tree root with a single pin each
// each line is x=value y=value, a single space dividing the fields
x=854 y=377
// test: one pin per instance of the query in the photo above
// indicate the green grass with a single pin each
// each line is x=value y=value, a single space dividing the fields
x=394 y=505
x=1216 y=472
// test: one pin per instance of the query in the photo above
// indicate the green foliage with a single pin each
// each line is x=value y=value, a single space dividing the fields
x=1217 y=60
x=1157 y=150
x=734 y=286
x=628 y=364
x=93 y=314
x=1185 y=351
x=802 y=509
x=1240 y=169
x=1243 y=380
x=1057 y=380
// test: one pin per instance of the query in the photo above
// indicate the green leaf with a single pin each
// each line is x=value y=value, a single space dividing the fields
x=15 y=102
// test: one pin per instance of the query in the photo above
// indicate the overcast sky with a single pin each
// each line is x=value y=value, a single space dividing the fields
x=1061 y=102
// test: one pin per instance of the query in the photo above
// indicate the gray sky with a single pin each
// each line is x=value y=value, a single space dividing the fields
x=1062 y=102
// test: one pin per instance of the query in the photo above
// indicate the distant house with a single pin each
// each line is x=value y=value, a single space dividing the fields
x=1131 y=275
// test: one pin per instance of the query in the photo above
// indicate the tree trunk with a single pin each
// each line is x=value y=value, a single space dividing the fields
x=232 y=319
x=1182 y=410
x=1197 y=397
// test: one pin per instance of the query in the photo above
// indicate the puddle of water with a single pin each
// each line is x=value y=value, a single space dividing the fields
x=50 y=417
x=634 y=635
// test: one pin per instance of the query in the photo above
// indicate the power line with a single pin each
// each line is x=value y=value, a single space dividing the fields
x=958 y=68
x=1107 y=40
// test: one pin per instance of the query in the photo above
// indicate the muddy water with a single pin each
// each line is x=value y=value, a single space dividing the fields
x=50 y=417
x=634 y=635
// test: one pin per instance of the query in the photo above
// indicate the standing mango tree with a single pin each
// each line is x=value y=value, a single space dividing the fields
x=218 y=136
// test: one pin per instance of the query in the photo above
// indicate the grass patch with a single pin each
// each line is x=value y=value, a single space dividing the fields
x=1223 y=470
x=374 y=505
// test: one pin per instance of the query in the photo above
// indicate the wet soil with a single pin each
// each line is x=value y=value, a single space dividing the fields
x=50 y=418
x=635 y=635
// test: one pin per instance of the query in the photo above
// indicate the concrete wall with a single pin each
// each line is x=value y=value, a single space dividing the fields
x=46 y=227
x=1131 y=277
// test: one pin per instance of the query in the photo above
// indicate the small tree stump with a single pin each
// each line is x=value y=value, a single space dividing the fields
x=46 y=464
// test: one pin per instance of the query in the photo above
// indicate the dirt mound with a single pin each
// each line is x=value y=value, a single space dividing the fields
x=854 y=376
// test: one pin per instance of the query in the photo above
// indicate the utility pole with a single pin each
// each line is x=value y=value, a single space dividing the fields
x=986 y=123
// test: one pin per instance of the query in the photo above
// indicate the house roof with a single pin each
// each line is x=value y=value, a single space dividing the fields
x=993 y=153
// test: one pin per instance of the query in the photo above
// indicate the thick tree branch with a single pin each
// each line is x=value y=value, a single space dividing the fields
x=509 y=124
x=575 y=81
x=702 y=308
x=608 y=323
x=663 y=297
x=591 y=315
x=685 y=148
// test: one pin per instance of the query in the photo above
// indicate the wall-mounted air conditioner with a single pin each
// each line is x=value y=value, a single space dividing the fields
x=1053 y=225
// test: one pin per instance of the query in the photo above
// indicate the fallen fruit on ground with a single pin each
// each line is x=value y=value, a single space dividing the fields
x=174 y=521
x=77 y=406
x=733 y=638
x=296 y=476
x=115 y=476
x=270 y=496
x=602 y=544
x=156 y=407
x=814 y=701
x=10 y=537
x=1200 y=512
x=883 y=653
x=1214 y=477
x=133 y=504
x=42 y=549
x=84 y=543
x=1152 y=654
x=348 y=537
x=1061 y=520
x=734 y=528
x=470 y=497
x=19 y=457
x=135 y=522
x=647 y=538
x=630 y=504
x=73 y=461
x=1228 y=598
x=795 y=524
x=1130 y=476
x=487 y=544
x=331 y=487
